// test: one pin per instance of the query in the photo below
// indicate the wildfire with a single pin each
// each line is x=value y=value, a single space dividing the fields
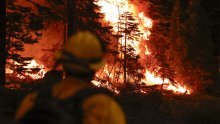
x=112 y=10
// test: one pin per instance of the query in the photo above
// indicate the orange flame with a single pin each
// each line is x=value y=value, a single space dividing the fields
x=151 y=79
x=32 y=64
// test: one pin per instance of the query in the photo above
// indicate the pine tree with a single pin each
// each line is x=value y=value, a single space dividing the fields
x=80 y=15
x=122 y=57
x=122 y=69
x=55 y=11
x=160 y=11
x=2 y=42
x=87 y=16
x=130 y=33
x=23 y=27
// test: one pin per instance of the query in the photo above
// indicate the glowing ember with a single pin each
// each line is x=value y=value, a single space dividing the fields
x=112 y=10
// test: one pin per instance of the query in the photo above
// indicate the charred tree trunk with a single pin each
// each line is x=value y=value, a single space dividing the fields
x=65 y=32
x=2 y=41
x=125 y=51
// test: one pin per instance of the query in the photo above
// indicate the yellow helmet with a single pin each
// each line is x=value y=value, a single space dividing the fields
x=82 y=53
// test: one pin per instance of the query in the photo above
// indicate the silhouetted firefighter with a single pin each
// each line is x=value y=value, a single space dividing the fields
x=73 y=100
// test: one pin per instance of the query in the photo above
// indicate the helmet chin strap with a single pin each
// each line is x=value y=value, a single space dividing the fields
x=69 y=58
x=72 y=58
x=71 y=72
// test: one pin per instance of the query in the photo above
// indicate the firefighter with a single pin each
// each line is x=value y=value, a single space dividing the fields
x=80 y=58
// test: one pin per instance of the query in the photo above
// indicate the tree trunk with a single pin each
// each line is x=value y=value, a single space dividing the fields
x=2 y=41
x=65 y=31
x=70 y=17
x=125 y=51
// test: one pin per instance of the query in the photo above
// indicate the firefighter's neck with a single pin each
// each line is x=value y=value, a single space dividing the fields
x=76 y=80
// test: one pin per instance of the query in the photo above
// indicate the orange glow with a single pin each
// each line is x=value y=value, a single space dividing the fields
x=112 y=10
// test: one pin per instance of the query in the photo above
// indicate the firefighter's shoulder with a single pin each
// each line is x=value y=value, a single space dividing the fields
x=102 y=109
x=26 y=104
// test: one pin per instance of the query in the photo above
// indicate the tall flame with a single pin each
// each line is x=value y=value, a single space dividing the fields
x=112 y=10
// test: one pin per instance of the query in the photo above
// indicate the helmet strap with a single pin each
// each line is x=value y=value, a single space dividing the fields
x=69 y=58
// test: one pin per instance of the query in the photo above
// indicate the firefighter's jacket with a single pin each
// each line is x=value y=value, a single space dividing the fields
x=98 y=109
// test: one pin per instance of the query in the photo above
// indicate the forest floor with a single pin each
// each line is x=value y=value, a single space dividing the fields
x=141 y=109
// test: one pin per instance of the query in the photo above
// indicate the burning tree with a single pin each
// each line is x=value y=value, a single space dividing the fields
x=122 y=57
x=130 y=33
